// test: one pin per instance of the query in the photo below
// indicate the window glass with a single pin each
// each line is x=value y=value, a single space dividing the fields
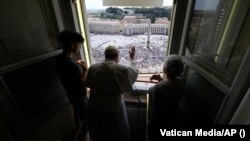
x=216 y=26
x=146 y=28
x=25 y=29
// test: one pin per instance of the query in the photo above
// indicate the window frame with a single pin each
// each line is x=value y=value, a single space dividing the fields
x=232 y=92
x=31 y=56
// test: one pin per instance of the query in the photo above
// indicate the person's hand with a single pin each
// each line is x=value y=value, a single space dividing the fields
x=132 y=53
x=83 y=65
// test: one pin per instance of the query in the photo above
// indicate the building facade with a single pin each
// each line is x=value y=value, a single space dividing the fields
x=117 y=27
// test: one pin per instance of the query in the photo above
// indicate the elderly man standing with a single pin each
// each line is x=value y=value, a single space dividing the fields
x=108 y=80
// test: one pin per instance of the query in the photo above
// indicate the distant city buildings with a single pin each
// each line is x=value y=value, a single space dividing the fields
x=130 y=19
x=135 y=20
x=105 y=27
x=132 y=29
x=162 y=21
x=130 y=25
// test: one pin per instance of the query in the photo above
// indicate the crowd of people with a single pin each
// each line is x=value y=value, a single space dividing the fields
x=149 y=58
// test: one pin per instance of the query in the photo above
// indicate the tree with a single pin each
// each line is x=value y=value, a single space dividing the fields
x=114 y=13
x=114 y=10
x=156 y=12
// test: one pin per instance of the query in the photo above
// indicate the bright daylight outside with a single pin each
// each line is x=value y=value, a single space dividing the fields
x=146 y=28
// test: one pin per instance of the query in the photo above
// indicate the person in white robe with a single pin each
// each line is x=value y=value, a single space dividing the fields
x=107 y=81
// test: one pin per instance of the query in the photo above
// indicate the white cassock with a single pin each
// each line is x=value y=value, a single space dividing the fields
x=107 y=118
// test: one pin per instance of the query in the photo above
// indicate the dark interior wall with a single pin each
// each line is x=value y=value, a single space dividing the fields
x=34 y=88
x=201 y=101
x=33 y=97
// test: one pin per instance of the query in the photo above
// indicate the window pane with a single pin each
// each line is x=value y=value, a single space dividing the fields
x=24 y=29
x=146 y=28
x=214 y=31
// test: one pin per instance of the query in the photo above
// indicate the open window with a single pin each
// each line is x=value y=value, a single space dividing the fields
x=216 y=49
x=214 y=41
x=146 y=28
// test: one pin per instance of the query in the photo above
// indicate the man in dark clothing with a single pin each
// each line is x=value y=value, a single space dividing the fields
x=71 y=76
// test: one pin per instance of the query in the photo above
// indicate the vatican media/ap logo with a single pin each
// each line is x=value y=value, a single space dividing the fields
x=206 y=133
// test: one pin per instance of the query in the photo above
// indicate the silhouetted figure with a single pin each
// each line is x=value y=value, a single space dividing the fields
x=71 y=76
x=165 y=96
x=108 y=80
x=156 y=77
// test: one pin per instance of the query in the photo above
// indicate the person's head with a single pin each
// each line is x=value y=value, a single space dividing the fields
x=71 y=41
x=173 y=66
x=112 y=53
